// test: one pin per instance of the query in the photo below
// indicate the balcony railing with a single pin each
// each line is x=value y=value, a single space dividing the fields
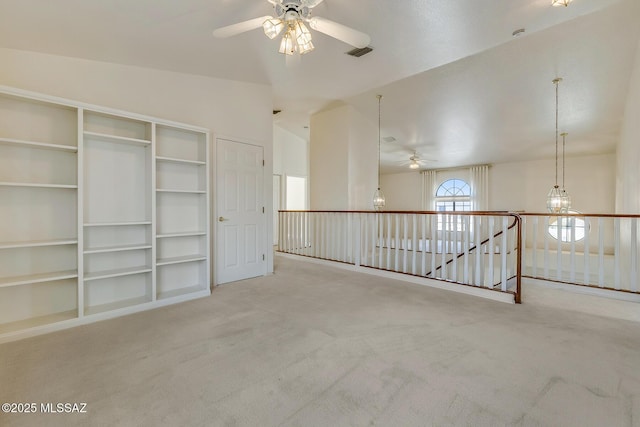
x=490 y=250
x=477 y=249
x=596 y=251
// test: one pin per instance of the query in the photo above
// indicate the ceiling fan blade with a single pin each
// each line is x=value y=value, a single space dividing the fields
x=311 y=3
x=240 y=27
x=340 y=32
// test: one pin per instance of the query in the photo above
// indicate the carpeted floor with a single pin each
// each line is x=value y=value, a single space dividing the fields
x=317 y=346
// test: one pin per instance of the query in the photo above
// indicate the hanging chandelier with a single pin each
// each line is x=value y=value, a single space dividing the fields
x=558 y=201
x=378 y=196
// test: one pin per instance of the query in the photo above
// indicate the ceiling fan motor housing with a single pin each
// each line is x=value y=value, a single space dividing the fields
x=290 y=10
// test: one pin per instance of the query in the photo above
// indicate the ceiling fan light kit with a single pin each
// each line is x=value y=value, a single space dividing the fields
x=291 y=16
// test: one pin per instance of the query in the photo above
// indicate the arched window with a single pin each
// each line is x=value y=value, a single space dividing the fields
x=453 y=195
x=567 y=224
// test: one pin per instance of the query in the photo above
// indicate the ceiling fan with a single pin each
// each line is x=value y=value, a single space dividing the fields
x=415 y=161
x=291 y=16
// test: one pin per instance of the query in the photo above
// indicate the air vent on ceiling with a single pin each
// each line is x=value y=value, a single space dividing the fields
x=276 y=112
x=358 y=52
x=388 y=139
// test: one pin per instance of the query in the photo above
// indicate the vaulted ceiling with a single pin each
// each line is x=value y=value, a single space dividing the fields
x=458 y=87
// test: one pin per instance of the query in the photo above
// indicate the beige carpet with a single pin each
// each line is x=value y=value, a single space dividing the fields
x=317 y=346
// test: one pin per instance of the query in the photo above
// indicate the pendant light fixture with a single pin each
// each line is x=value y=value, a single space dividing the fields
x=378 y=196
x=554 y=198
x=565 y=201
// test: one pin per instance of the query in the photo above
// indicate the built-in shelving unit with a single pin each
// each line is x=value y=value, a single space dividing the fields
x=103 y=213
x=181 y=208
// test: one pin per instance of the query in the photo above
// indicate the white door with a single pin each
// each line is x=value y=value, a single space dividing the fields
x=241 y=219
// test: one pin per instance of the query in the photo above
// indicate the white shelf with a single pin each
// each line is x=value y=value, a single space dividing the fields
x=38 y=243
x=180 y=291
x=182 y=234
x=37 y=278
x=120 y=248
x=39 y=145
x=116 y=224
x=118 y=139
x=174 y=160
x=165 y=190
x=116 y=273
x=180 y=260
x=38 y=321
x=36 y=185
x=95 y=309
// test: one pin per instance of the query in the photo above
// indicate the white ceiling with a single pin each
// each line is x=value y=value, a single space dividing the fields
x=458 y=87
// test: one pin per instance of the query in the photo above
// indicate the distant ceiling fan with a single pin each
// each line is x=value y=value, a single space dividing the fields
x=291 y=16
x=415 y=161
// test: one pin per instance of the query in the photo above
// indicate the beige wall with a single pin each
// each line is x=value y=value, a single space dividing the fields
x=628 y=154
x=515 y=186
x=590 y=180
x=343 y=160
x=329 y=159
x=402 y=191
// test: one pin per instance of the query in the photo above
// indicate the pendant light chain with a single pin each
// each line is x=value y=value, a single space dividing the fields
x=564 y=134
x=556 y=81
x=379 y=124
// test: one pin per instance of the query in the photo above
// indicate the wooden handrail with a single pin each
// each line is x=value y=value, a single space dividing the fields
x=474 y=247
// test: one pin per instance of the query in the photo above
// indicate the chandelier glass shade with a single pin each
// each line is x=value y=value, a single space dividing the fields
x=297 y=37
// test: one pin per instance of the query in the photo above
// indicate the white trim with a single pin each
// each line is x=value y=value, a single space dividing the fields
x=87 y=319
x=438 y=284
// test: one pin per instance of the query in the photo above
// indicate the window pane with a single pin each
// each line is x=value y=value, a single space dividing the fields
x=296 y=193
x=453 y=187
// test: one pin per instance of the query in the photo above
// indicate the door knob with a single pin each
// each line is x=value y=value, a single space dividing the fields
x=222 y=219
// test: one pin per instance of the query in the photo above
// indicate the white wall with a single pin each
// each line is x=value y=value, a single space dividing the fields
x=290 y=158
x=516 y=186
x=628 y=154
x=329 y=159
x=290 y=153
x=241 y=111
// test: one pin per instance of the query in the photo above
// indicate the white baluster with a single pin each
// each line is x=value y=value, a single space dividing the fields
x=479 y=280
x=414 y=243
x=503 y=253
x=634 y=255
x=616 y=252
x=433 y=244
x=572 y=273
x=600 y=251
x=454 y=251
x=467 y=239
x=491 y=252
x=534 y=248
x=546 y=247
x=587 y=260
x=560 y=220
x=423 y=224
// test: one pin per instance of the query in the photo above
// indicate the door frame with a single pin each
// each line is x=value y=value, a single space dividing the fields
x=267 y=195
